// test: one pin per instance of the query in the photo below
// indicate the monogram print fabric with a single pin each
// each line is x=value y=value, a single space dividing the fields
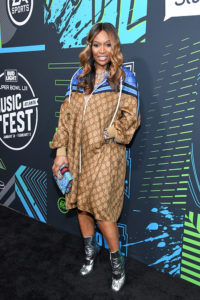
x=98 y=168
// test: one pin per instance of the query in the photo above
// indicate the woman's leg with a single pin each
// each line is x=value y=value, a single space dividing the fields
x=110 y=233
x=86 y=223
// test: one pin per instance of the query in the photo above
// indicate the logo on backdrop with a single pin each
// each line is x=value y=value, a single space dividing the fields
x=18 y=110
x=180 y=8
x=19 y=11
x=62 y=206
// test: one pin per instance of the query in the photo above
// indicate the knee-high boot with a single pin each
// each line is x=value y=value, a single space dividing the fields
x=91 y=250
x=118 y=270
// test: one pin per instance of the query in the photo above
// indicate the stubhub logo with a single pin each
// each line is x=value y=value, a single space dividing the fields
x=180 y=8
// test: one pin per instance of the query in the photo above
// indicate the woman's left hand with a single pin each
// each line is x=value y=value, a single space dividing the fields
x=111 y=131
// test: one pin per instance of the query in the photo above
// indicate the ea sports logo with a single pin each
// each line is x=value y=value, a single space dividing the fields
x=20 y=11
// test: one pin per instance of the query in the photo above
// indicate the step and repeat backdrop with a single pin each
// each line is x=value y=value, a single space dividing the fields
x=40 y=42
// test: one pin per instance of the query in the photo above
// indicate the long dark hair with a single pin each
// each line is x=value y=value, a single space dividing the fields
x=87 y=78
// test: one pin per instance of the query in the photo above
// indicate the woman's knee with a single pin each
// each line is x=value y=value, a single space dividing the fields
x=82 y=212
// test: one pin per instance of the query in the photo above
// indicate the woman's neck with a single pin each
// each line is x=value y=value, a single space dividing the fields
x=100 y=68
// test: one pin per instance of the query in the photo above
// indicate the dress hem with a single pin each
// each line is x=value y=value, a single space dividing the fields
x=88 y=211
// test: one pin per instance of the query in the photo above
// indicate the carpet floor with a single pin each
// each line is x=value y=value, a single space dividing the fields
x=40 y=262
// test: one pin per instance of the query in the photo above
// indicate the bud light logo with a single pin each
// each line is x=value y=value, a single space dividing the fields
x=11 y=75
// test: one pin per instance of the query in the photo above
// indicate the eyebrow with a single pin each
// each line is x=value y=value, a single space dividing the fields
x=99 y=42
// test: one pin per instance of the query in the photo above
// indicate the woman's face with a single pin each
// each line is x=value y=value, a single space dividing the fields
x=101 y=50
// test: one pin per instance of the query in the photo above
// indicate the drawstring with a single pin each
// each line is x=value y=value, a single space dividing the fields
x=80 y=160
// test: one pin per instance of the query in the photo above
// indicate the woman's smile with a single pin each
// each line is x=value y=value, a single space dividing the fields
x=102 y=57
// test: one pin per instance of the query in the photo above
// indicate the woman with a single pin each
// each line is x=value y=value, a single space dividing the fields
x=97 y=119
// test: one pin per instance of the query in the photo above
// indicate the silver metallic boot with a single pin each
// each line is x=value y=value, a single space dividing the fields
x=91 y=250
x=118 y=270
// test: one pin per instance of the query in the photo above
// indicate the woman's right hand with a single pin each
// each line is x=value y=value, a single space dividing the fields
x=58 y=162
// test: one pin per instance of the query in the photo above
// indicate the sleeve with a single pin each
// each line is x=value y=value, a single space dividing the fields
x=62 y=151
x=129 y=117
x=60 y=138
